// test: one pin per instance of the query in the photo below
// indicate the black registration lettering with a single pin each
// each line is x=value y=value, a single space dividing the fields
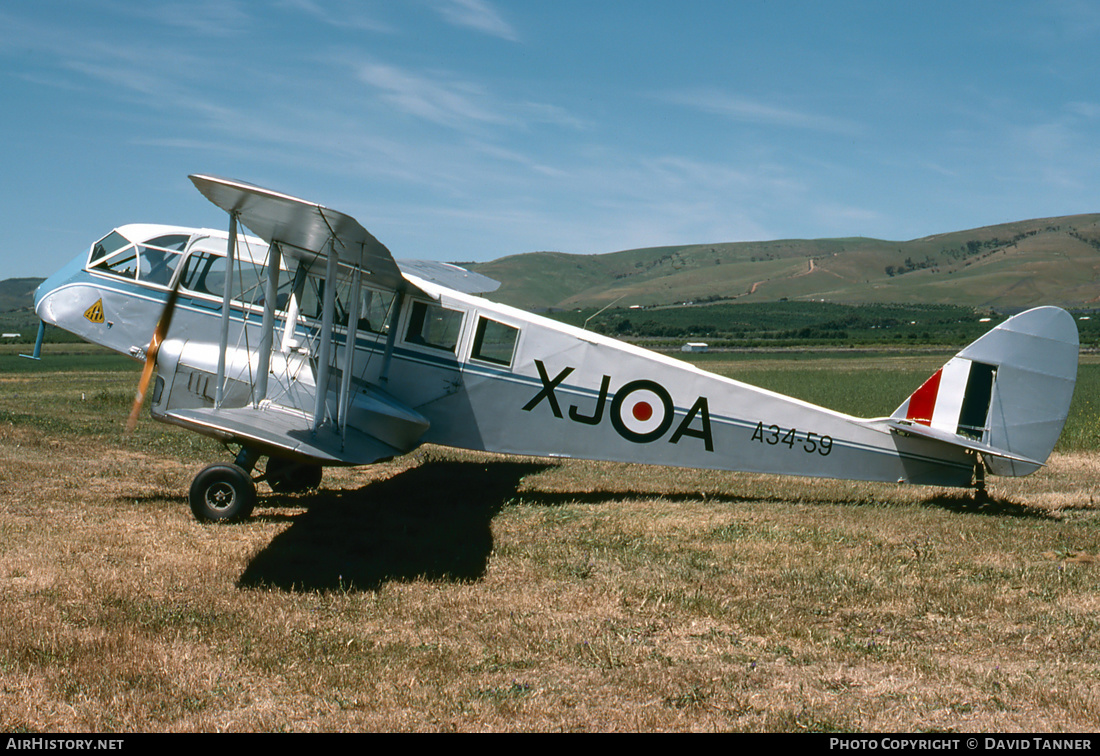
x=809 y=441
x=548 y=386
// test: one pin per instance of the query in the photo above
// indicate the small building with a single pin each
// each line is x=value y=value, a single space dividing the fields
x=694 y=346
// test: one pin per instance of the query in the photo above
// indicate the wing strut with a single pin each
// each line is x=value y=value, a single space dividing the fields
x=267 y=328
x=349 y=350
x=290 y=325
x=227 y=291
x=325 y=355
x=398 y=300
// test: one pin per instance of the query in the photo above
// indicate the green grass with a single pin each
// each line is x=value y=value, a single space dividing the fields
x=804 y=324
x=65 y=358
x=874 y=385
x=456 y=591
x=790 y=323
x=81 y=390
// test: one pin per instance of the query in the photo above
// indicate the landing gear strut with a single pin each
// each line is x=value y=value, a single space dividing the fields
x=227 y=492
x=288 y=476
x=980 y=494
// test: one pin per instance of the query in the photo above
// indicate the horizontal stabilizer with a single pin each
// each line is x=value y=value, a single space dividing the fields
x=924 y=431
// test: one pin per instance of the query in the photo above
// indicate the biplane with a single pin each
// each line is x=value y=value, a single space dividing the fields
x=300 y=339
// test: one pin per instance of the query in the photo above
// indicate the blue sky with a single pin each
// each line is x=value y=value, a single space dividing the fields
x=474 y=129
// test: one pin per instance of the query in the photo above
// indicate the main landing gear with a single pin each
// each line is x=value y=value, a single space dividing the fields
x=980 y=494
x=225 y=492
x=222 y=493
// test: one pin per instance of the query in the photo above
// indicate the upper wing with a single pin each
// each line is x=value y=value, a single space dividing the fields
x=302 y=229
x=451 y=276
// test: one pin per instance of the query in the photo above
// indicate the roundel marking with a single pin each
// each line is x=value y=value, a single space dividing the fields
x=642 y=411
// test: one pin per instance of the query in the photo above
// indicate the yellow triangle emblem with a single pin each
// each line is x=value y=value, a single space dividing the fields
x=95 y=312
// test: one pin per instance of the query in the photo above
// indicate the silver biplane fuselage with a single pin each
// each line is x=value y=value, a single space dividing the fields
x=433 y=362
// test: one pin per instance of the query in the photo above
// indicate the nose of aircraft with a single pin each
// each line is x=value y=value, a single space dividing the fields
x=48 y=294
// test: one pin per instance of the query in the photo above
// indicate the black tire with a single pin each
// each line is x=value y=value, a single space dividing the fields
x=222 y=493
x=288 y=476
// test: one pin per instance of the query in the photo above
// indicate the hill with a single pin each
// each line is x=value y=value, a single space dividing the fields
x=17 y=307
x=1041 y=261
x=17 y=293
x=1012 y=265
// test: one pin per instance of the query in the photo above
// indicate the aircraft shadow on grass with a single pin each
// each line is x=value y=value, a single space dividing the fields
x=977 y=503
x=431 y=522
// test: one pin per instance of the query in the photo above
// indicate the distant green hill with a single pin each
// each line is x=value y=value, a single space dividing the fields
x=1013 y=265
x=17 y=293
x=1042 y=261
x=17 y=307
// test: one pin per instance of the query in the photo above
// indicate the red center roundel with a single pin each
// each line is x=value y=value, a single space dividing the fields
x=641 y=411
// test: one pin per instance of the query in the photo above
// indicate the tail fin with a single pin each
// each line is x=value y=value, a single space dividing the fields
x=1006 y=395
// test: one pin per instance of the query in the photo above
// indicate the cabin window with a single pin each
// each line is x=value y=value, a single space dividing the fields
x=494 y=342
x=374 y=304
x=157 y=265
x=434 y=326
x=374 y=310
x=123 y=262
x=174 y=242
x=248 y=282
x=153 y=262
x=312 y=297
x=312 y=303
x=204 y=273
x=108 y=245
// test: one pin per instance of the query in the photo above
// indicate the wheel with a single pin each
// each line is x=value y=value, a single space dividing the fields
x=288 y=476
x=222 y=493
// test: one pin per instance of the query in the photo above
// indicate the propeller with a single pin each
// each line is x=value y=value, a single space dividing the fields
x=151 y=354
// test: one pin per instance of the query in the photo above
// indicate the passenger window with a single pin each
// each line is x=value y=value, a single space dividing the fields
x=247 y=282
x=494 y=342
x=313 y=300
x=204 y=273
x=374 y=310
x=434 y=326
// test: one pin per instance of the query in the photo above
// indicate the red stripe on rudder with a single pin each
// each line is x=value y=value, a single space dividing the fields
x=923 y=400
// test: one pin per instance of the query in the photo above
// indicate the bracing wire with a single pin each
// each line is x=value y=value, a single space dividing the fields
x=245 y=306
x=286 y=377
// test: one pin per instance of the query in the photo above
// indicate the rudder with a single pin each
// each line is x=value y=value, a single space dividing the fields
x=1010 y=390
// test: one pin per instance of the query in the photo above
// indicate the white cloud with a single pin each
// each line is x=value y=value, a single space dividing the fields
x=441 y=99
x=745 y=110
x=478 y=15
x=344 y=15
x=210 y=17
x=461 y=104
x=1088 y=110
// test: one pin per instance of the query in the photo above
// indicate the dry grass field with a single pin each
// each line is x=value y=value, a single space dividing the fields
x=453 y=591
